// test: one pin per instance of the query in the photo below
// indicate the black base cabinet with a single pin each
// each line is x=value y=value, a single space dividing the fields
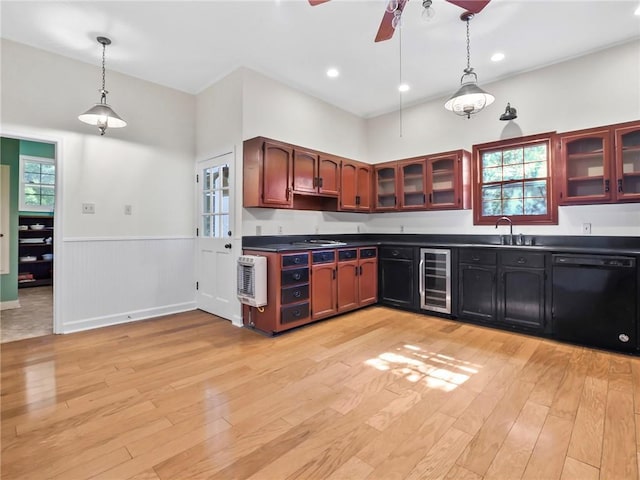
x=397 y=281
x=477 y=292
x=507 y=289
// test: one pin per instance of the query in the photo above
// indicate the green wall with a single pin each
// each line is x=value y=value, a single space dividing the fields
x=10 y=155
x=10 y=151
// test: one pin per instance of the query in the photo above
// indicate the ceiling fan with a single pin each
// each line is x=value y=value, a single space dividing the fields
x=392 y=15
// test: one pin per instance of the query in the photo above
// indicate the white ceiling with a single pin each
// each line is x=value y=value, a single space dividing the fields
x=188 y=45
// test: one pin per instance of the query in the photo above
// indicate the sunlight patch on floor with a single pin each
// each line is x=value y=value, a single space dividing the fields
x=415 y=365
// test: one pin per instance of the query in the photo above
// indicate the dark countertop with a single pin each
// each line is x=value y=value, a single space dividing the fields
x=601 y=250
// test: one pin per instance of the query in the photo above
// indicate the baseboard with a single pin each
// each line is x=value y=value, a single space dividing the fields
x=134 y=316
x=9 y=304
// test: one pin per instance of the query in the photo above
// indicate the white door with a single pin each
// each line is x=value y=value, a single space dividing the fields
x=216 y=261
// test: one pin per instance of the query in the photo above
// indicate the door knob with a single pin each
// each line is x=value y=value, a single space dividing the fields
x=227 y=245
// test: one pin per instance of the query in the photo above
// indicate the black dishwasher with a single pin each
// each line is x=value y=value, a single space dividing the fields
x=595 y=300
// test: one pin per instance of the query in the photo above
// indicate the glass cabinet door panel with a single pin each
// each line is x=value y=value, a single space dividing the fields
x=628 y=163
x=413 y=185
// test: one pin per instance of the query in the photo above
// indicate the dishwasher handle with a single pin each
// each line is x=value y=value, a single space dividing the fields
x=601 y=261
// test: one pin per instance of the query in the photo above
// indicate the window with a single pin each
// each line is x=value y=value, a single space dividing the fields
x=37 y=184
x=215 y=201
x=512 y=178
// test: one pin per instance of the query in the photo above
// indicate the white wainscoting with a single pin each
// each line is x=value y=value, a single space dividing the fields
x=106 y=281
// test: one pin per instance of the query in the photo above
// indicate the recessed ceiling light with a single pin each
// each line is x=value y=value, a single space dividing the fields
x=333 y=73
x=637 y=12
x=404 y=88
x=497 y=57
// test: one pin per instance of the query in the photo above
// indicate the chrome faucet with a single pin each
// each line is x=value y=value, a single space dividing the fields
x=506 y=219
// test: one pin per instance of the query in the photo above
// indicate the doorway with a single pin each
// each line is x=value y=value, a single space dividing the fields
x=29 y=187
x=216 y=260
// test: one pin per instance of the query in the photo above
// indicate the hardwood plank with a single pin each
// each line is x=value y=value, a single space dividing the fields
x=441 y=457
x=619 y=457
x=511 y=460
x=576 y=470
x=588 y=430
x=547 y=459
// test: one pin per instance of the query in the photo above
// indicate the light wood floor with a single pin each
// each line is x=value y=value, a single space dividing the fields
x=376 y=394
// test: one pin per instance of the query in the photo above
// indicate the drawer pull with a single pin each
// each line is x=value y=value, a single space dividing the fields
x=297 y=294
x=296 y=276
x=522 y=260
x=475 y=258
x=296 y=260
x=296 y=313
x=395 y=253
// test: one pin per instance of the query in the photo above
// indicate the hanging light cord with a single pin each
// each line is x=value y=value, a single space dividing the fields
x=400 y=72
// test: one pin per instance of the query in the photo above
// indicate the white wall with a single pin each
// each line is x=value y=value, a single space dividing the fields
x=148 y=164
x=590 y=91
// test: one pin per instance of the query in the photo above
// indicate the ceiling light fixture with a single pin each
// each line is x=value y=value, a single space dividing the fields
x=509 y=113
x=333 y=73
x=497 y=57
x=469 y=99
x=637 y=12
x=428 y=11
x=101 y=114
x=403 y=87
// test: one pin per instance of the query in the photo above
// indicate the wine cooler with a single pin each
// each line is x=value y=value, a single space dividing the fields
x=435 y=280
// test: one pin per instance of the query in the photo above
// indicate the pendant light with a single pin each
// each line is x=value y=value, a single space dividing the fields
x=469 y=99
x=101 y=114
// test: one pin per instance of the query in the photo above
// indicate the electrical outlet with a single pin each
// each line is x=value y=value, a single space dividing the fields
x=128 y=209
x=279 y=229
x=258 y=230
x=88 y=208
x=586 y=229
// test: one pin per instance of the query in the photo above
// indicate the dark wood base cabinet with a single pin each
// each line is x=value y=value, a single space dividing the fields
x=306 y=286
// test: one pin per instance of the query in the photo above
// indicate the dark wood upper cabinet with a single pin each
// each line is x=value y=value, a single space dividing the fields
x=627 y=161
x=355 y=186
x=600 y=165
x=449 y=181
x=267 y=169
x=586 y=171
x=305 y=172
x=329 y=175
x=386 y=186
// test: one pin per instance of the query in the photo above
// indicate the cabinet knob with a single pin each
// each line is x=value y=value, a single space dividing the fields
x=296 y=276
x=296 y=260
x=297 y=294
x=522 y=260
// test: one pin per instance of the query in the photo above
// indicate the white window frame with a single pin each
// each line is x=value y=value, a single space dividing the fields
x=35 y=208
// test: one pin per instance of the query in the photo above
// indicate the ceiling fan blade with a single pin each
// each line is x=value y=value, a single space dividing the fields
x=313 y=3
x=473 y=6
x=385 y=32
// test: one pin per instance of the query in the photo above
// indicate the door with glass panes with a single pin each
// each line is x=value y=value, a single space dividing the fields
x=215 y=258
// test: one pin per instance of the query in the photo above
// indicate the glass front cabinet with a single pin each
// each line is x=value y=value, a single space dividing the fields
x=600 y=165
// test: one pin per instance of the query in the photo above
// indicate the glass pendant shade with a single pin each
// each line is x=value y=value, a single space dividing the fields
x=469 y=98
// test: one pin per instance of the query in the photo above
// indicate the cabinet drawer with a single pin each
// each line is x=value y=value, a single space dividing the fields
x=477 y=256
x=295 y=259
x=522 y=259
x=295 y=275
x=294 y=313
x=295 y=294
x=368 y=252
x=326 y=256
x=346 y=255
x=405 y=253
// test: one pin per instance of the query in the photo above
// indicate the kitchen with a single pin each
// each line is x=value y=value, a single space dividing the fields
x=114 y=251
